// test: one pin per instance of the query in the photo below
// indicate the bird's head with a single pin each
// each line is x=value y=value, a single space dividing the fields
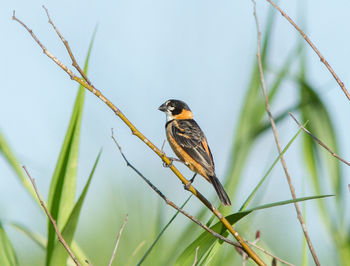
x=176 y=109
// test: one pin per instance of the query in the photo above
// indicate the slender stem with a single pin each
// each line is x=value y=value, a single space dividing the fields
x=319 y=141
x=58 y=233
x=169 y=202
x=275 y=133
x=117 y=242
x=268 y=253
x=312 y=45
x=195 y=257
x=65 y=42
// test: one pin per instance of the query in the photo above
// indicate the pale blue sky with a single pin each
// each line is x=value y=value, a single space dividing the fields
x=145 y=53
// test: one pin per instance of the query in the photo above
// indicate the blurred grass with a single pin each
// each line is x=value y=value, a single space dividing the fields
x=206 y=241
x=8 y=255
x=325 y=170
x=61 y=203
x=12 y=161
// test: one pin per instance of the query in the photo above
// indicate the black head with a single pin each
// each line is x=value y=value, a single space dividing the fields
x=173 y=108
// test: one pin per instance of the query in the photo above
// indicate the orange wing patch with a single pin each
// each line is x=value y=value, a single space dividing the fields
x=182 y=155
x=205 y=145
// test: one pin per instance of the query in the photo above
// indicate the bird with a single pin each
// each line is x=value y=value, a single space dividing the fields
x=190 y=145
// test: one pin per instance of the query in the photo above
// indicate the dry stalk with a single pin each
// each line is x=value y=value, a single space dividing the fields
x=319 y=141
x=195 y=257
x=58 y=233
x=275 y=133
x=117 y=242
x=312 y=45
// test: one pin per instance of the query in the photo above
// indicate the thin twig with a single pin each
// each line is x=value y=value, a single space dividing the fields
x=195 y=257
x=117 y=242
x=137 y=133
x=65 y=42
x=45 y=51
x=58 y=233
x=169 y=202
x=274 y=129
x=307 y=39
x=268 y=253
x=319 y=141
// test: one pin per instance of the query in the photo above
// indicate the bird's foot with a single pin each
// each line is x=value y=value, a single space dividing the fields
x=170 y=164
x=187 y=187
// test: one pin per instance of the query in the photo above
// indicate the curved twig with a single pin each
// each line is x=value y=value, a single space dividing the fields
x=117 y=242
x=275 y=133
x=307 y=39
x=52 y=220
x=319 y=141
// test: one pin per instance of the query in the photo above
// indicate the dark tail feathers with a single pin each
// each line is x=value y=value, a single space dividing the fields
x=220 y=190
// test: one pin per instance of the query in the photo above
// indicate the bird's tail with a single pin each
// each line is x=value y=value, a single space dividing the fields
x=220 y=190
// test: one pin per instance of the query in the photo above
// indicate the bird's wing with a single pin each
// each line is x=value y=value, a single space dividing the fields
x=191 y=138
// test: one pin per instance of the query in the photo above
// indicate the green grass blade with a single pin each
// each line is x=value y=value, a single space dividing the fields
x=304 y=244
x=6 y=150
x=251 y=114
x=7 y=253
x=35 y=237
x=250 y=197
x=283 y=72
x=60 y=255
x=78 y=252
x=190 y=231
x=285 y=202
x=63 y=183
x=41 y=241
x=322 y=127
x=162 y=232
x=206 y=240
x=325 y=170
x=206 y=260
x=317 y=160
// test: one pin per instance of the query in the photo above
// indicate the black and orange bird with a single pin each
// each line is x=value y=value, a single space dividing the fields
x=190 y=144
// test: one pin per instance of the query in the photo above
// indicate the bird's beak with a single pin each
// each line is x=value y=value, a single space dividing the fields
x=163 y=108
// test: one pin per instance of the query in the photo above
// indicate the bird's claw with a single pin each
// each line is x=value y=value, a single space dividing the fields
x=187 y=187
x=168 y=165
x=189 y=184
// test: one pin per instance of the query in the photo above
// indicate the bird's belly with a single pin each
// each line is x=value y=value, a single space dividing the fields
x=183 y=156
